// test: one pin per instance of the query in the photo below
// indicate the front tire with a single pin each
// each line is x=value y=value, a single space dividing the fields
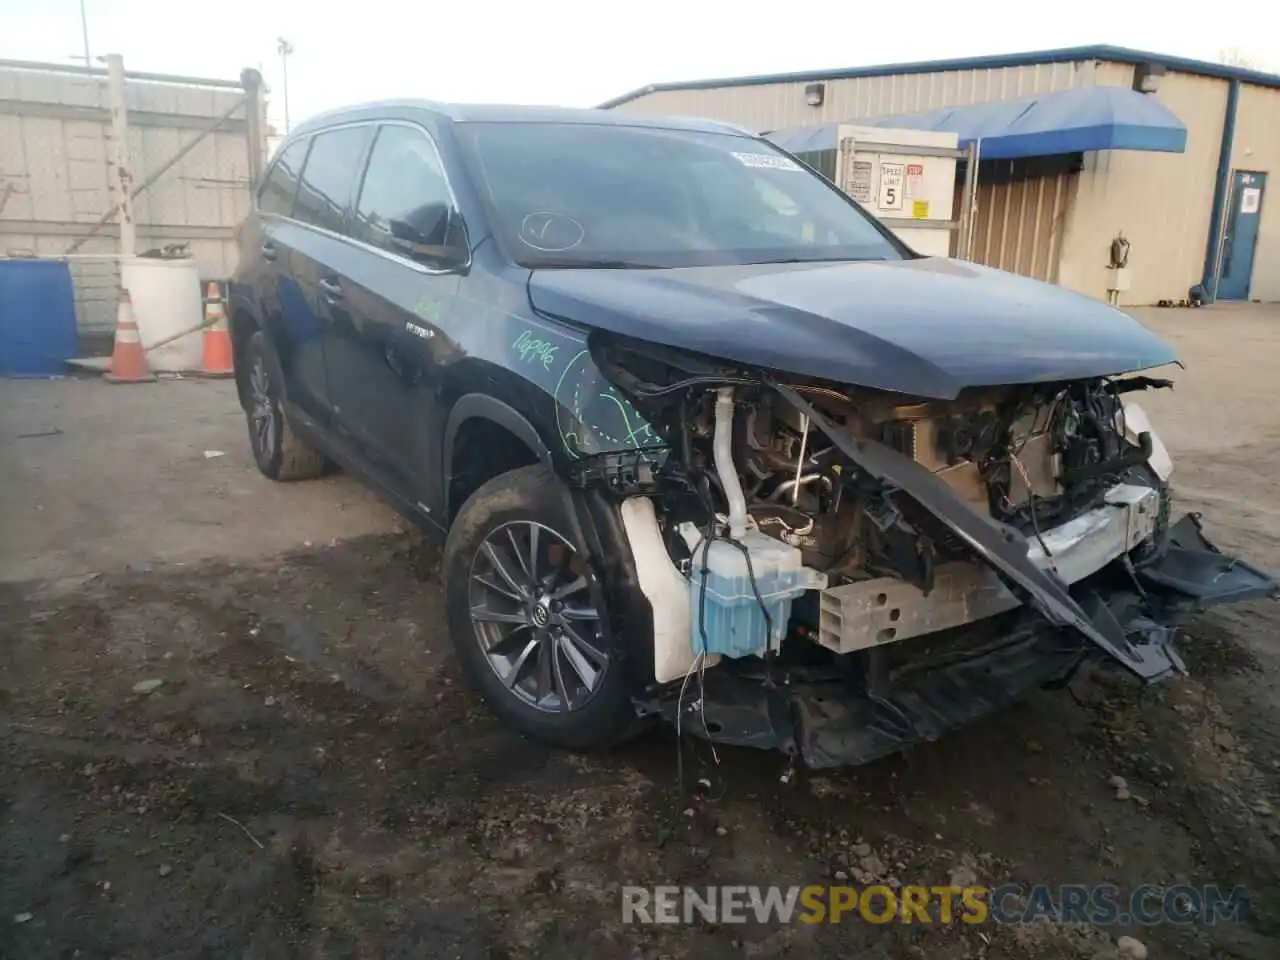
x=277 y=449
x=527 y=615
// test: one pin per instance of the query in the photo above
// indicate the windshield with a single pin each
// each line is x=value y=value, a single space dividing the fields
x=571 y=195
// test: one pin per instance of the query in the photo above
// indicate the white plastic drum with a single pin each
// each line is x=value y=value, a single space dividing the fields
x=166 y=300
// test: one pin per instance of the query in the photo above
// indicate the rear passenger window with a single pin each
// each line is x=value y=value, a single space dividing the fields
x=329 y=178
x=277 y=193
x=404 y=181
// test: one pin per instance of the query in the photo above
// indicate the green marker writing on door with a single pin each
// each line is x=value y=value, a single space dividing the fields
x=534 y=350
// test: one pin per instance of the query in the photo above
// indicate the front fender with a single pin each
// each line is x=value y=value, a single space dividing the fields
x=542 y=370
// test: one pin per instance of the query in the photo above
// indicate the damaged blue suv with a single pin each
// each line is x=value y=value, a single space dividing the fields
x=703 y=440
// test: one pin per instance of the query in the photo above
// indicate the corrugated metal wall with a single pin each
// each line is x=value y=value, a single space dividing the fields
x=1021 y=216
x=54 y=154
x=777 y=105
x=1257 y=147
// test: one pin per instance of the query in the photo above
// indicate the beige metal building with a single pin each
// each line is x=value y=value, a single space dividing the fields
x=194 y=149
x=1195 y=218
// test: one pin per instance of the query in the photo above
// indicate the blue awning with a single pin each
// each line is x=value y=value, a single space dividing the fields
x=1070 y=121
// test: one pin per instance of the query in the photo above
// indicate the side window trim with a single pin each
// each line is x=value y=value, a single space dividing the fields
x=354 y=201
x=357 y=185
x=347 y=203
x=297 y=183
x=307 y=139
x=364 y=168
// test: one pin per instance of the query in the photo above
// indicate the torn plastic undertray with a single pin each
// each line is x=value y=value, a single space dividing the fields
x=838 y=726
x=850 y=721
x=853 y=720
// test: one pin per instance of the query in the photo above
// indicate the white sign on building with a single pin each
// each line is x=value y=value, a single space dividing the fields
x=906 y=178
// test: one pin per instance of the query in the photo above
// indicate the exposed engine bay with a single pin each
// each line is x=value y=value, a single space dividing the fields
x=917 y=561
x=1027 y=457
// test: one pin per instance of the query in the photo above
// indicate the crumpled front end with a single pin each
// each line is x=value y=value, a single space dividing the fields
x=939 y=680
x=846 y=572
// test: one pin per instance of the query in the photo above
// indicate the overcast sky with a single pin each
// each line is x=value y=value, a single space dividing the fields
x=580 y=53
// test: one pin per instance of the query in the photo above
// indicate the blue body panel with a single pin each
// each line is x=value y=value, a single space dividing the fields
x=927 y=327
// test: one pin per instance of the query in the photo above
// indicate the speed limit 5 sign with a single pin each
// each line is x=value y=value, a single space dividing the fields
x=893 y=179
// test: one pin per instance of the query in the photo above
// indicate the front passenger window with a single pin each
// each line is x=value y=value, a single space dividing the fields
x=405 y=203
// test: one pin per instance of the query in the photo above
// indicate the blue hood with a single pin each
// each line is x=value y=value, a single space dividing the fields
x=927 y=327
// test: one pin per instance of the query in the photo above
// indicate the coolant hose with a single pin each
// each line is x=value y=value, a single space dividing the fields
x=725 y=466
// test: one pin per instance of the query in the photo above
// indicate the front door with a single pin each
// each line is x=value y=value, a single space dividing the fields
x=382 y=365
x=1241 y=237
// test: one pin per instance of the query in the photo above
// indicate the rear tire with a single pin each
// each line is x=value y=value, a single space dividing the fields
x=277 y=449
x=527 y=615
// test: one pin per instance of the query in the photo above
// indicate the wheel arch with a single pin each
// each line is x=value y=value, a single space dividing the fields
x=481 y=414
x=242 y=323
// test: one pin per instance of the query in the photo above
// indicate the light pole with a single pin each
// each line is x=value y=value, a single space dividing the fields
x=285 y=48
x=84 y=30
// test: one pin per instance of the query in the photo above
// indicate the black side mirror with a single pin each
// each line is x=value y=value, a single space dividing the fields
x=432 y=234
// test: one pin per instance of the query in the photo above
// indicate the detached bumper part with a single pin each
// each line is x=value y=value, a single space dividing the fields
x=1194 y=569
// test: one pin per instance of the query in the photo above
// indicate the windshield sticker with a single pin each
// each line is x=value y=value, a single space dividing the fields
x=767 y=161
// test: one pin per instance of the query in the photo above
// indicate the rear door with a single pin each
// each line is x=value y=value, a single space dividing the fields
x=319 y=253
x=297 y=336
x=381 y=362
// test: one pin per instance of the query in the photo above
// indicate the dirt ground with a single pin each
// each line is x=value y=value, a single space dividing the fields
x=310 y=778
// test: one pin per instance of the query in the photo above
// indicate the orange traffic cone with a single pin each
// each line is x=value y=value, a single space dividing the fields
x=128 y=361
x=215 y=360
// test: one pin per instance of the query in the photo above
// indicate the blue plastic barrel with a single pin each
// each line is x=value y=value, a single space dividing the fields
x=37 y=318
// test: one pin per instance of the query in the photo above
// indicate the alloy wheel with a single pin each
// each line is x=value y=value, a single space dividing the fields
x=262 y=408
x=534 y=616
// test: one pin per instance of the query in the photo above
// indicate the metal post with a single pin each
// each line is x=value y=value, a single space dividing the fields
x=966 y=204
x=121 y=176
x=251 y=80
x=285 y=48
x=1221 y=197
x=969 y=216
